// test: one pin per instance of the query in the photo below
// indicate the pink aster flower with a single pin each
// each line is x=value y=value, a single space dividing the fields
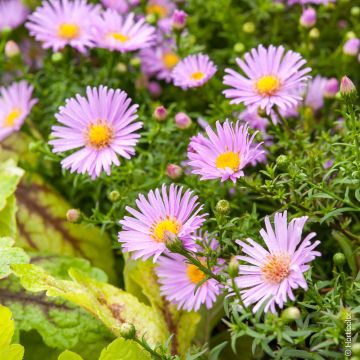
x=179 y=280
x=122 y=33
x=274 y=272
x=15 y=11
x=159 y=61
x=101 y=126
x=162 y=10
x=15 y=105
x=193 y=71
x=162 y=214
x=122 y=6
x=315 y=93
x=224 y=154
x=271 y=77
x=57 y=23
x=315 y=2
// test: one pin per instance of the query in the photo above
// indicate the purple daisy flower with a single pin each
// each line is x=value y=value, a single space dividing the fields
x=159 y=62
x=101 y=125
x=160 y=8
x=162 y=214
x=272 y=77
x=274 y=272
x=15 y=11
x=122 y=33
x=315 y=93
x=57 y=23
x=121 y=6
x=223 y=155
x=179 y=283
x=193 y=71
x=15 y=105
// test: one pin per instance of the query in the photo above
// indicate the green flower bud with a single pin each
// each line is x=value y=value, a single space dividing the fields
x=121 y=67
x=239 y=47
x=314 y=33
x=172 y=242
x=222 y=207
x=282 y=161
x=233 y=268
x=128 y=331
x=339 y=259
x=135 y=62
x=355 y=11
x=249 y=27
x=114 y=196
x=290 y=314
x=56 y=57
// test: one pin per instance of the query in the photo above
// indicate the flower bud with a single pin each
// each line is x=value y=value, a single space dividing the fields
x=347 y=87
x=160 y=113
x=127 y=331
x=135 y=62
x=151 y=19
x=339 y=259
x=172 y=242
x=174 y=171
x=233 y=268
x=154 y=89
x=249 y=27
x=114 y=196
x=351 y=47
x=222 y=207
x=355 y=11
x=73 y=215
x=290 y=314
x=121 y=68
x=282 y=161
x=239 y=47
x=11 y=49
x=308 y=17
x=314 y=33
x=331 y=88
x=57 y=57
x=179 y=19
x=6 y=30
x=182 y=120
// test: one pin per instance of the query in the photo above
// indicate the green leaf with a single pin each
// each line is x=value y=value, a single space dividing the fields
x=8 y=218
x=10 y=255
x=109 y=304
x=43 y=227
x=69 y=355
x=121 y=349
x=60 y=323
x=8 y=351
x=141 y=280
x=10 y=176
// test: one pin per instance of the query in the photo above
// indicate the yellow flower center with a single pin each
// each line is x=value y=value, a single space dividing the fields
x=195 y=274
x=276 y=268
x=120 y=37
x=68 y=31
x=156 y=9
x=164 y=226
x=197 y=75
x=268 y=85
x=99 y=135
x=170 y=60
x=11 y=117
x=228 y=159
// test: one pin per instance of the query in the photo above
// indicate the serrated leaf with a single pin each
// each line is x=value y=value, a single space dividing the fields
x=69 y=355
x=121 y=349
x=141 y=280
x=109 y=304
x=61 y=324
x=42 y=226
x=10 y=255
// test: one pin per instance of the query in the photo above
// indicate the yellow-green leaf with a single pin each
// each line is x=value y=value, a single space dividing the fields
x=42 y=226
x=7 y=326
x=69 y=355
x=12 y=352
x=121 y=349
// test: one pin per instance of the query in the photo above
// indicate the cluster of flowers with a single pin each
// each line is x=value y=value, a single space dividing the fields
x=103 y=126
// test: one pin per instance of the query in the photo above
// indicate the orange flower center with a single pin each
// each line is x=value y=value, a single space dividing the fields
x=68 y=31
x=268 y=85
x=11 y=117
x=99 y=135
x=276 y=268
x=156 y=9
x=194 y=273
x=170 y=60
x=197 y=75
x=163 y=227
x=228 y=159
